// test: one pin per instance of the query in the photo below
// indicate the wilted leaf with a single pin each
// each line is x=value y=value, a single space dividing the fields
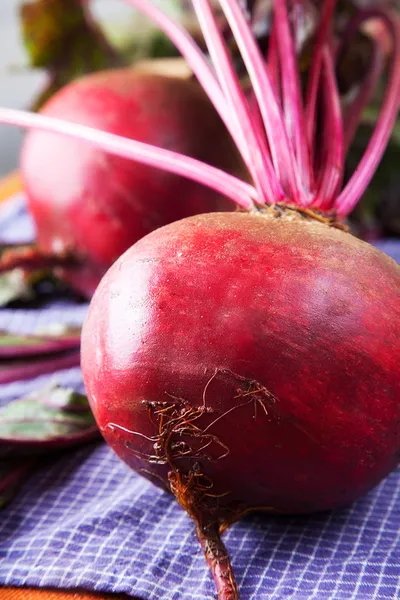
x=50 y=419
x=14 y=286
x=62 y=37
x=26 y=275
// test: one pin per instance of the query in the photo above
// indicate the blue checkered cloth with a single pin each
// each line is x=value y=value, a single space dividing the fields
x=87 y=521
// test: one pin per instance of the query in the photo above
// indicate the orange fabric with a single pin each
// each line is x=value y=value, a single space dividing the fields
x=10 y=185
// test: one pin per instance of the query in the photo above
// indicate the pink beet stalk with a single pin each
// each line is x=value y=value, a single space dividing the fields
x=273 y=62
x=204 y=73
x=263 y=170
x=239 y=191
x=333 y=155
x=279 y=155
x=16 y=370
x=278 y=139
x=316 y=65
x=291 y=91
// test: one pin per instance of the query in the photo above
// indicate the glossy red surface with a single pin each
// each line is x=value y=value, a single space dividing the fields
x=98 y=204
x=287 y=331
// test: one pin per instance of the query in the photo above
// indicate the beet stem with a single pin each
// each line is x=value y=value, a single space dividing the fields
x=218 y=560
x=200 y=67
x=260 y=164
x=273 y=61
x=29 y=258
x=234 y=188
x=286 y=172
x=280 y=146
x=315 y=70
x=291 y=90
x=332 y=168
x=361 y=178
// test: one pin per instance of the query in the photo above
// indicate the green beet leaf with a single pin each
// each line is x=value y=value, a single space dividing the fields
x=50 y=419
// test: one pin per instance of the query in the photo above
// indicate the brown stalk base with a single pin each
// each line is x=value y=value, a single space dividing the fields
x=219 y=562
x=291 y=212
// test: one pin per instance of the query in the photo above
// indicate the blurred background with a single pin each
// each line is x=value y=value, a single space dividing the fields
x=20 y=85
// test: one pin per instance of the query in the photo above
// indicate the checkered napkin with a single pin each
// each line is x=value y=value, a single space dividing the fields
x=86 y=521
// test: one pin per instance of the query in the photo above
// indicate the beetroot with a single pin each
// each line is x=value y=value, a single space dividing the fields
x=242 y=362
x=93 y=206
x=250 y=361
x=232 y=317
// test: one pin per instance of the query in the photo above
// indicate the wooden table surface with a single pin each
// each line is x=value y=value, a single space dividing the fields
x=9 y=186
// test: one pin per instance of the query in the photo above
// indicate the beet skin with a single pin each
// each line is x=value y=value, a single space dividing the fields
x=249 y=361
x=94 y=205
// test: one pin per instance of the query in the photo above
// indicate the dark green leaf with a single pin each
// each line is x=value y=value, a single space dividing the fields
x=63 y=38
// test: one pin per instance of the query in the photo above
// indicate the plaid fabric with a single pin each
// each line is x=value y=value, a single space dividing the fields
x=86 y=520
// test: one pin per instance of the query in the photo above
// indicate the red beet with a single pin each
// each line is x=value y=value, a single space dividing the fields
x=94 y=205
x=248 y=361
x=283 y=338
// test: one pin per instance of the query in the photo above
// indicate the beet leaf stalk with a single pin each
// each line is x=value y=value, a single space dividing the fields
x=295 y=153
x=28 y=368
x=292 y=169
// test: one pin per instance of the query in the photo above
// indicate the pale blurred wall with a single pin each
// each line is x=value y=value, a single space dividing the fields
x=18 y=85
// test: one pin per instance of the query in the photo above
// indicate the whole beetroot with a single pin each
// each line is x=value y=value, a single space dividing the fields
x=91 y=206
x=250 y=361
x=248 y=350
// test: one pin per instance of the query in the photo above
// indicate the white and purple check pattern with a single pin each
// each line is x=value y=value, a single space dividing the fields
x=86 y=521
